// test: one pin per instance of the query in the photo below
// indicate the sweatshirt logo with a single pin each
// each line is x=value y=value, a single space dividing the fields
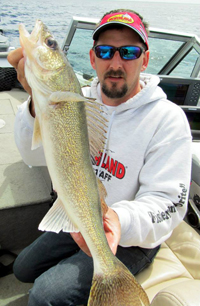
x=114 y=167
x=161 y=216
x=182 y=196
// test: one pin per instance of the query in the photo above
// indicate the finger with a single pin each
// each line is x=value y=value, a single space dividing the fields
x=20 y=67
x=14 y=57
x=78 y=238
x=113 y=247
x=112 y=238
x=112 y=242
x=21 y=76
x=112 y=229
x=82 y=244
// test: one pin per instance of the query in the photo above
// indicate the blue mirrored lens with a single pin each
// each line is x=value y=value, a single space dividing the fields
x=130 y=52
x=104 y=52
x=126 y=52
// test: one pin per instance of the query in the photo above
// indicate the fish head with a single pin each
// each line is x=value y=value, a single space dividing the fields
x=44 y=60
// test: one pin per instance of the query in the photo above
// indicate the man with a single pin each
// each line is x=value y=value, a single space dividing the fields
x=146 y=168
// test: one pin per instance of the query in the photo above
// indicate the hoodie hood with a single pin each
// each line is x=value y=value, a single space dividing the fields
x=150 y=92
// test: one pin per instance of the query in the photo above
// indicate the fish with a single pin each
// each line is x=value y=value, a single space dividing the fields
x=72 y=129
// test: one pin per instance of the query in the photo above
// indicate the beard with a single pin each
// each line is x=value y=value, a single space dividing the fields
x=114 y=92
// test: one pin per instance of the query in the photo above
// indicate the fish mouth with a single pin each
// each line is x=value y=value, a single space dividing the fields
x=36 y=30
x=30 y=41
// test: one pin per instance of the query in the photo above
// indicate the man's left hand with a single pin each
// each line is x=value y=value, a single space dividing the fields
x=112 y=230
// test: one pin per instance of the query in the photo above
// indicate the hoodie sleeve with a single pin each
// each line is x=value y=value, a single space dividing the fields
x=160 y=203
x=23 y=131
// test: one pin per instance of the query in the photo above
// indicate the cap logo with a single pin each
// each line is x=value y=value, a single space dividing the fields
x=125 y=18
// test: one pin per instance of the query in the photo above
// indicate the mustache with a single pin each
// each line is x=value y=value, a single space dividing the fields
x=114 y=73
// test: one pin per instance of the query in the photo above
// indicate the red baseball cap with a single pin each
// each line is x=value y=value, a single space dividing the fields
x=128 y=19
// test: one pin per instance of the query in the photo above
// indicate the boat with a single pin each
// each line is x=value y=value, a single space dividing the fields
x=26 y=192
x=6 y=70
x=4 y=42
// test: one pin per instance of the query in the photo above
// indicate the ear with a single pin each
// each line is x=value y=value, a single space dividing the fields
x=92 y=59
x=145 y=60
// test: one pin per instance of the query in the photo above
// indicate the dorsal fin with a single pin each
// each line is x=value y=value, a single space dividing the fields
x=97 y=127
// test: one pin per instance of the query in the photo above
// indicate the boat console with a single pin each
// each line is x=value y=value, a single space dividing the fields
x=182 y=91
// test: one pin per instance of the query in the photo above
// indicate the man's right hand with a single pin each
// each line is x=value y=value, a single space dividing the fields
x=16 y=59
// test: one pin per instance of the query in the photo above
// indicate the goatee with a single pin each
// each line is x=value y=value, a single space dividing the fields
x=113 y=92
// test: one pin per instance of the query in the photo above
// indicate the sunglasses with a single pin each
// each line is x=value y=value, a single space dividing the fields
x=126 y=52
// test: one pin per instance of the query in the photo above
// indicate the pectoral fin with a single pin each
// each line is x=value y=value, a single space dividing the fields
x=65 y=96
x=56 y=220
x=37 y=139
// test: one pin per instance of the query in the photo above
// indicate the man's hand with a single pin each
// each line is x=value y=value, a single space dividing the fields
x=112 y=230
x=16 y=59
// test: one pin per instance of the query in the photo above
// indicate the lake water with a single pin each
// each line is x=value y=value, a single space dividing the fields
x=57 y=14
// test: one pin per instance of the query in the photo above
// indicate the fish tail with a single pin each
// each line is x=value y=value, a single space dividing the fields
x=118 y=288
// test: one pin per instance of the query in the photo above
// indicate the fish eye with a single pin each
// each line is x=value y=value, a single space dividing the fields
x=51 y=43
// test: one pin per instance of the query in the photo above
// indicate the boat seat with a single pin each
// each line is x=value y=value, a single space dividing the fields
x=173 y=279
x=174 y=276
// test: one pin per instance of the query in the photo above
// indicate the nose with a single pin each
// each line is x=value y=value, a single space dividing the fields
x=116 y=61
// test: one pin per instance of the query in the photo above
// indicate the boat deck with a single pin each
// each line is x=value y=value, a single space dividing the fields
x=20 y=184
x=24 y=193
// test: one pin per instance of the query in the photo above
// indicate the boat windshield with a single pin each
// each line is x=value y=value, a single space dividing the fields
x=171 y=53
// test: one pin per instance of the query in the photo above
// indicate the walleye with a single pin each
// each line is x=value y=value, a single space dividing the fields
x=71 y=128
